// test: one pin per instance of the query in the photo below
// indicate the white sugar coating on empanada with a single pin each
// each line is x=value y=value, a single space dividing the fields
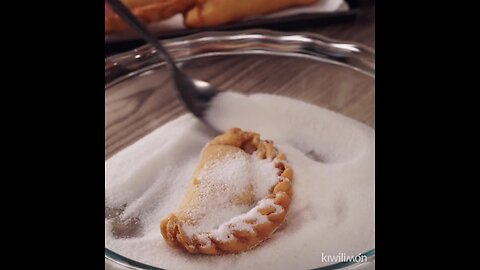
x=239 y=170
x=224 y=183
x=238 y=222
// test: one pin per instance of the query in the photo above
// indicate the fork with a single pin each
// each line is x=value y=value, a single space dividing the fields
x=195 y=94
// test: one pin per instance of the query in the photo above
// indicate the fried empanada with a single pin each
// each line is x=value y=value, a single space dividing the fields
x=209 y=13
x=239 y=195
x=147 y=11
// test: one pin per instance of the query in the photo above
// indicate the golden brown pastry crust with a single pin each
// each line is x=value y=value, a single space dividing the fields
x=147 y=11
x=279 y=197
x=199 y=13
x=208 y=13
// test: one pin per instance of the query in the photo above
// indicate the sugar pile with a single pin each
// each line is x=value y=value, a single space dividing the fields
x=222 y=183
x=238 y=171
x=332 y=210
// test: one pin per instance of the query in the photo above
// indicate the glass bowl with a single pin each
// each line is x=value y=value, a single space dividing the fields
x=139 y=97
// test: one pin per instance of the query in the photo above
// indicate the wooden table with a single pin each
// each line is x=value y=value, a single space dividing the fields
x=136 y=108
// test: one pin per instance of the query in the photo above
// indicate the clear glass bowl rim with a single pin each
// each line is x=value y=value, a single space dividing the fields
x=312 y=46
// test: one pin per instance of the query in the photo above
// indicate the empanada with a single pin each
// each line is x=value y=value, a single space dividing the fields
x=208 y=13
x=147 y=11
x=239 y=195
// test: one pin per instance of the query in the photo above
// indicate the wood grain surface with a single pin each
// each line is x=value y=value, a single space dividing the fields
x=139 y=105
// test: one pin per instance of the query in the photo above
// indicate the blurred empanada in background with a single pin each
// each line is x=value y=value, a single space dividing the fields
x=207 y=13
x=147 y=11
x=198 y=13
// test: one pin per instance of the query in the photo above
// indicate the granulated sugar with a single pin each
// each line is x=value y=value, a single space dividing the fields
x=240 y=170
x=332 y=209
x=222 y=182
